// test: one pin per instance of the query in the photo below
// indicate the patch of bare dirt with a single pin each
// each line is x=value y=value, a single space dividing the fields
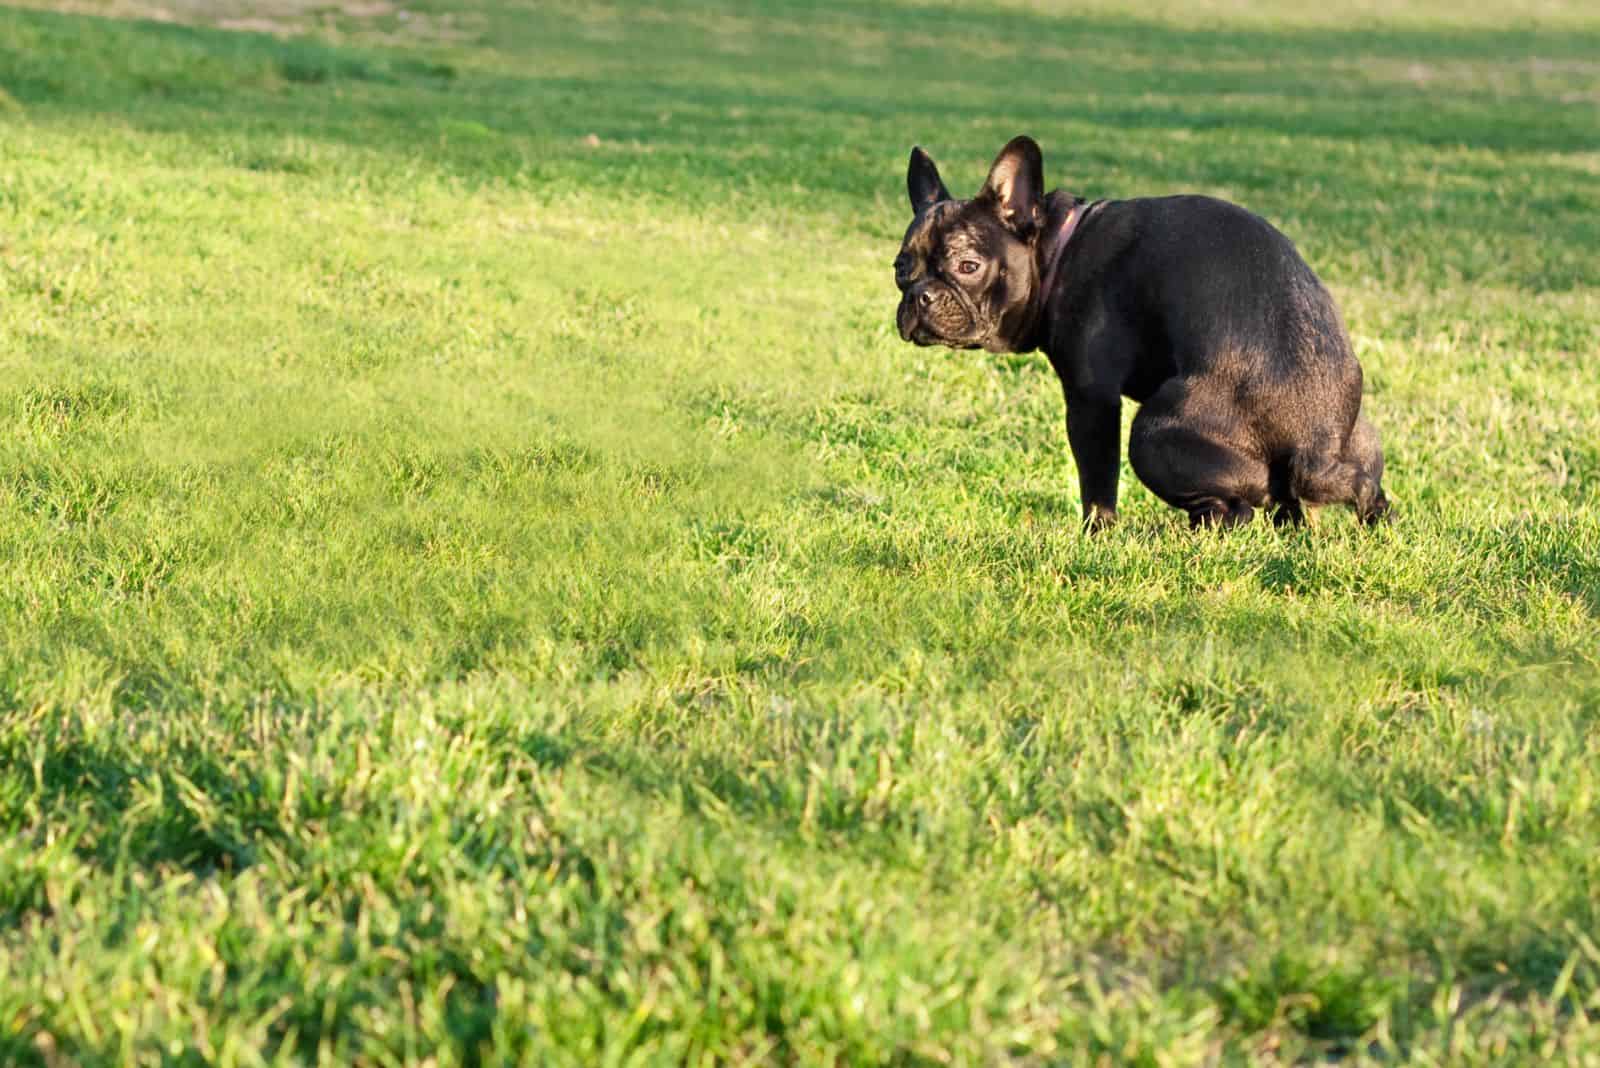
x=283 y=18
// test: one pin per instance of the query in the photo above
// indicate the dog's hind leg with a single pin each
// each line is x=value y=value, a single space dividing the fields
x=1353 y=477
x=1365 y=452
x=1186 y=452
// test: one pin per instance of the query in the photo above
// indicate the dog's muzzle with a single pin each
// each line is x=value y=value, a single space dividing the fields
x=908 y=318
x=932 y=315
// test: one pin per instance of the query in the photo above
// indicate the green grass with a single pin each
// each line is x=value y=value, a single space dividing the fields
x=481 y=579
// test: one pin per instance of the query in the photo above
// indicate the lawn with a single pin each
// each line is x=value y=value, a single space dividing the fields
x=482 y=580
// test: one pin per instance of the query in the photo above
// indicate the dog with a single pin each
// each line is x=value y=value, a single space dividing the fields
x=1249 y=392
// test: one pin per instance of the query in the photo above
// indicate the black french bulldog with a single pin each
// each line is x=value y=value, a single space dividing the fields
x=1206 y=315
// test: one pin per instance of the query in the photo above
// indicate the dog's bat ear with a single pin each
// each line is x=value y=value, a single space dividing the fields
x=923 y=182
x=1016 y=186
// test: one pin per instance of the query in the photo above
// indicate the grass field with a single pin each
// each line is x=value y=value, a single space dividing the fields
x=482 y=580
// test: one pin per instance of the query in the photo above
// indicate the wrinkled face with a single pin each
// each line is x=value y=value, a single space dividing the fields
x=965 y=279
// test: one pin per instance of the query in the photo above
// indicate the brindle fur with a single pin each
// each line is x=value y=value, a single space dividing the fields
x=1202 y=312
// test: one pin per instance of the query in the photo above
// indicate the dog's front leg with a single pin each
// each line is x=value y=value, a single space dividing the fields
x=1094 y=429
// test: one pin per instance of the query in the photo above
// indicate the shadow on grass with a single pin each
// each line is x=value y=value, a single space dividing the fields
x=787 y=110
x=185 y=811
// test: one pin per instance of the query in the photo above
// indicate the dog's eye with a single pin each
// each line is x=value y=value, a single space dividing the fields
x=968 y=266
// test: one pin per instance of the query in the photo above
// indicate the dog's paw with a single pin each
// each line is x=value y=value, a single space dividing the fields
x=1381 y=514
x=1098 y=517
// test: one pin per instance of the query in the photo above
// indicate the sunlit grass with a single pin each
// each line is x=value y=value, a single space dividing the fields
x=482 y=578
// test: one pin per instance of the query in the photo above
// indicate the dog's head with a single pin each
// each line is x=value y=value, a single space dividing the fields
x=967 y=269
